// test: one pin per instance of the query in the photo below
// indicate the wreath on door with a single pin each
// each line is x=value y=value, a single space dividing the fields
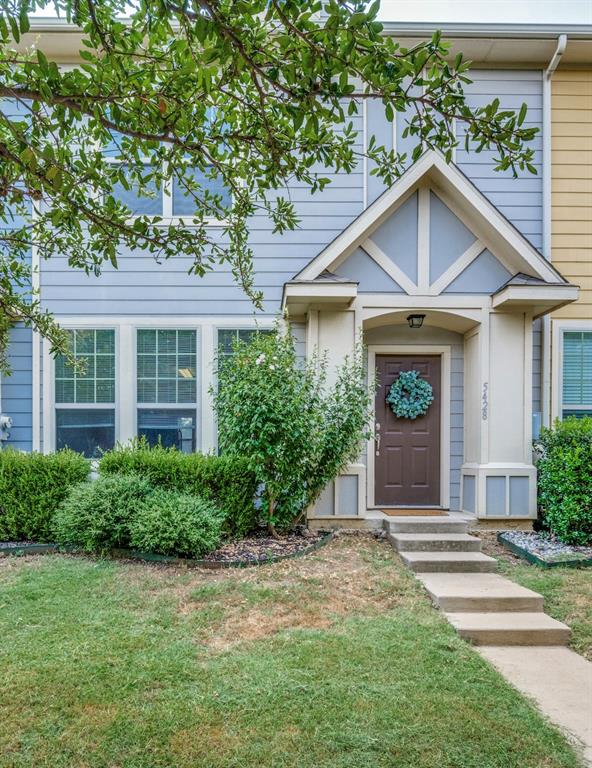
x=410 y=396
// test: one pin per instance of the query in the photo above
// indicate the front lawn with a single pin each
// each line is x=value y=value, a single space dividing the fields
x=336 y=659
x=567 y=591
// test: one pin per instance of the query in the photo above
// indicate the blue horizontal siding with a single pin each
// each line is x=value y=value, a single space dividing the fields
x=142 y=287
x=521 y=197
x=17 y=389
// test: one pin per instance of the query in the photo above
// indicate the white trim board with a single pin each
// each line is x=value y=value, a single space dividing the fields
x=389 y=266
x=558 y=328
x=445 y=352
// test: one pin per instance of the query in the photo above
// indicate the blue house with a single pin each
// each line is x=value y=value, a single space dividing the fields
x=446 y=272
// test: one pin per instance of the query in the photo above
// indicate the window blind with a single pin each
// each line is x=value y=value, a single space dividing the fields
x=577 y=369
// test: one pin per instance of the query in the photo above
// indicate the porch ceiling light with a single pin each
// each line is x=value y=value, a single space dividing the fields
x=415 y=321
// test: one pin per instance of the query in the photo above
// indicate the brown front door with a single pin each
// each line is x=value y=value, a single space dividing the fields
x=407 y=456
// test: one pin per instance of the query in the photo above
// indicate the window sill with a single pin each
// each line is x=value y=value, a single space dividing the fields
x=176 y=221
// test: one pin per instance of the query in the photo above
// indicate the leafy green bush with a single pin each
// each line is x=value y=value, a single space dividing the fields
x=228 y=481
x=32 y=486
x=173 y=523
x=298 y=430
x=565 y=479
x=96 y=516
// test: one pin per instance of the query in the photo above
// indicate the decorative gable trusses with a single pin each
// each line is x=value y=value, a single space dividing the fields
x=432 y=232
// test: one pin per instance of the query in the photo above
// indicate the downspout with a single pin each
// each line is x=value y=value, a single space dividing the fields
x=547 y=214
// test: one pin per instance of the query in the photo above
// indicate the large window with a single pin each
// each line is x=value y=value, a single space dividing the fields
x=167 y=387
x=85 y=393
x=577 y=374
x=228 y=336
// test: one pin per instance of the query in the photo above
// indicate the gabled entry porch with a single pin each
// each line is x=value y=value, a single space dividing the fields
x=433 y=246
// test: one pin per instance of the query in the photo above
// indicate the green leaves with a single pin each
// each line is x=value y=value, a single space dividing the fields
x=297 y=431
x=220 y=104
x=565 y=479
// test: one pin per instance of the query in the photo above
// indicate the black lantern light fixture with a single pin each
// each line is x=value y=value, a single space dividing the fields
x=415 y=321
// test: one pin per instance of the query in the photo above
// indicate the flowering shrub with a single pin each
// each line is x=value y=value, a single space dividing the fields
x=297 y=430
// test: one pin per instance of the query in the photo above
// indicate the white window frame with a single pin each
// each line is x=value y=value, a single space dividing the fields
x=126 y=405
x=50 y=404
x=240 y=324
x=193 y=406
x=167 y=217
x=559 y=328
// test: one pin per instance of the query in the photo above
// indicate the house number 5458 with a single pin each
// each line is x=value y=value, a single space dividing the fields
x=484 y=401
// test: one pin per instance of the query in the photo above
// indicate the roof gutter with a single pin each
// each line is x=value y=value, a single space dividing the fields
x=406 y=29
x=547 y=216
x=460 y=29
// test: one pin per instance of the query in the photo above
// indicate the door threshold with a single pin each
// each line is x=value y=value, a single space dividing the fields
x=414 y=511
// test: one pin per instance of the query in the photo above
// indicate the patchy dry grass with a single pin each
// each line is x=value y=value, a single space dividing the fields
x=336 y=660
x=567 y=591
x=350 y=578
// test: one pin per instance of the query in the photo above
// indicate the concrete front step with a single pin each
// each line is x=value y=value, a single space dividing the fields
x=509 y=628
x=448 y=562
x=425 y=525
x=479 y=593
x=435 y=542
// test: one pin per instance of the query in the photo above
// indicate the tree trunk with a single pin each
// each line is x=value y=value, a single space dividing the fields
x=270 y=526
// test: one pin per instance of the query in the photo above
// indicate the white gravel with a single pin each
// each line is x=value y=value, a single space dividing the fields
x=546 y=546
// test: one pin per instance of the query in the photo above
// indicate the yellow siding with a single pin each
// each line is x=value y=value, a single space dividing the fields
x=572 y=185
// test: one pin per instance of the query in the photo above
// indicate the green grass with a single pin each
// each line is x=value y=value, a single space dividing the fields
x=331 y=661
x=567 y=593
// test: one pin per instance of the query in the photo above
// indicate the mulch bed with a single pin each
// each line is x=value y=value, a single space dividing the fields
x=253 y=550
x=261 y=547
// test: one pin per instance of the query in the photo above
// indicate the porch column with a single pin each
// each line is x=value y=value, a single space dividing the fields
x=498 y=476
x=336 y=334
x=334 y=330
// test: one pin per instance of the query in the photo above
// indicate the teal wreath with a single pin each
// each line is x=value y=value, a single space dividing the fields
x=410 y=396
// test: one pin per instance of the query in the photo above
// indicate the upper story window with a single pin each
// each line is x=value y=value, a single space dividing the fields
x=175 y=198
x=577 y=374
x=85 y=394
x=166 y=362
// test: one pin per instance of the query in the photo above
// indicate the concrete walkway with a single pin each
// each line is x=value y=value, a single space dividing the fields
x=506 y=621
x=559 y=681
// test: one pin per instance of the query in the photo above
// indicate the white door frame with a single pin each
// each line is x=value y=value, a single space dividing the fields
x=445 y=353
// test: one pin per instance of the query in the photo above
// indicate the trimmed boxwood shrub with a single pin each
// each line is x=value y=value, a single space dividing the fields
x=173 y=523
x=32 y=486
x=565 y=479
x=225 y=480
x=96 y=516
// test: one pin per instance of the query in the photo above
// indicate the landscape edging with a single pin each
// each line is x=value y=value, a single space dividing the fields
x=541 y=561
x=130 y=554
